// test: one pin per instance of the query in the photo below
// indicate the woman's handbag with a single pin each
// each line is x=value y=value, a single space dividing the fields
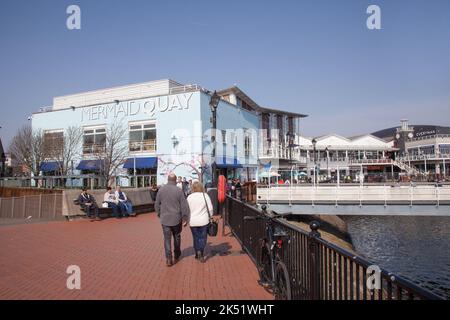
x=213 y=226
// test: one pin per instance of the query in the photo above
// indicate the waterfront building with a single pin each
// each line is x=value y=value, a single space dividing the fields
x=279 y=133
x=166 y=128
x=423 y=147
x=337 y=157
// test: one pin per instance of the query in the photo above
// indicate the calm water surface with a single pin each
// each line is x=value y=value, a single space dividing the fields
x=417 y=248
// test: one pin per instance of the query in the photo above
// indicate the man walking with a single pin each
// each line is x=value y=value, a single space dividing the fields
x=172 y=209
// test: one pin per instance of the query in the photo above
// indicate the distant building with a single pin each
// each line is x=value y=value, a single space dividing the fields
x=335 y=156
x=426 y=147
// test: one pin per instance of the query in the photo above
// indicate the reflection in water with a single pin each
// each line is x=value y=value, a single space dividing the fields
x=416 y=248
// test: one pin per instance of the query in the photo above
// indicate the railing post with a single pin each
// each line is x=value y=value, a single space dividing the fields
x=314 y=261
x=40 y=205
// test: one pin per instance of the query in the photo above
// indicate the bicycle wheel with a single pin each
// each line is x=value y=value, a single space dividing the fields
x=282 y=288
x=265 y=266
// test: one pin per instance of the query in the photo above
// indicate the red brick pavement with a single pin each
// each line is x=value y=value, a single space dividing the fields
x=119 y=259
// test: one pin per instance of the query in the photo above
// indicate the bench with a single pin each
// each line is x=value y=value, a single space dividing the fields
x=107 y=212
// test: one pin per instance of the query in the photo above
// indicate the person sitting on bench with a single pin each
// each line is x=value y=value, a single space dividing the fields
x=88 y=204
x=124 y=203
x=111 y=202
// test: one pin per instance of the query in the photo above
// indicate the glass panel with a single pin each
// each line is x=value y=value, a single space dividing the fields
x=88 y=139
x=149 y=134
x=100 y=138
x=135 y=127
x=135 y=136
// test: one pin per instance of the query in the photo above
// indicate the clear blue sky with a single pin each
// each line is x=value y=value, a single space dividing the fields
x=314 y=57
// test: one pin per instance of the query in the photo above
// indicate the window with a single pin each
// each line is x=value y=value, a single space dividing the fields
x=265 y=119
x=94 y=140
x=53 y=143
x=224 y=136
x=142 y=137
x=247 y=143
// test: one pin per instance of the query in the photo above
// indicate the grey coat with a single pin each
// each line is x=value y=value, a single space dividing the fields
x=171 y=205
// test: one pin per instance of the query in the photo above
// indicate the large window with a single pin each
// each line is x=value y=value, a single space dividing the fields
x=142 y=137
x=94 y=140
x=247 y=142
x=53 y=143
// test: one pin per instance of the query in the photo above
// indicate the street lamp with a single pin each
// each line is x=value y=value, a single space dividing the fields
x=314 y=142
x=213 y=104
x=328 y=156
x=289 y=138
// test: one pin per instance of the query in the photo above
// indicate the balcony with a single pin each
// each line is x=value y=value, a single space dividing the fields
x=147 y=146
x=281 y=152
x=94 y=148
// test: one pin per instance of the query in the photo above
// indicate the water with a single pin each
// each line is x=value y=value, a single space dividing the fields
x=416 y=248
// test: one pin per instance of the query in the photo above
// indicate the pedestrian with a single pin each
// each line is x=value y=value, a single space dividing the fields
x=124 y=203
x=185 y=186
x=173 y=210
x=190 y=187
x=153 y=192
x=88 y=204
x=238 y=187
x=180 y=183
x=201 y=210
x=110 y=201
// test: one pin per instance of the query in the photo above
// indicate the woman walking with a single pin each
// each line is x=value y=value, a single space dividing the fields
x=201 y=211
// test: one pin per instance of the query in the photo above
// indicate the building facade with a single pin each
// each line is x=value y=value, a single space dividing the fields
x=426 y=148
x=165 y=127
x=336 y=158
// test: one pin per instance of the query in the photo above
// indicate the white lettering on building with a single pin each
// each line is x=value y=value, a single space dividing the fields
x=131 y=108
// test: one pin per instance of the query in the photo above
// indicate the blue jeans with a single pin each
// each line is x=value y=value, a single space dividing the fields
x=115 y=209
x=175 y=232
x=126 y=207
x=199 y=235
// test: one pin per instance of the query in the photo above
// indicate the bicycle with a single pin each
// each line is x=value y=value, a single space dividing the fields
x=273 y=272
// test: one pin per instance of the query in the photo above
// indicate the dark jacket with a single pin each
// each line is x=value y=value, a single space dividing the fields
x=84 y=199
x=153 y=194
x=171 y=205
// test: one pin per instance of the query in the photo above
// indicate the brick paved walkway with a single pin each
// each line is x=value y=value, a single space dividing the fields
x=119 y=259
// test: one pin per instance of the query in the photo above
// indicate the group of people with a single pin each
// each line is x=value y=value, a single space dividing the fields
x=176 y=211
x=178 y=203
x=115 y=199
x=234 y=188
x=185 y=185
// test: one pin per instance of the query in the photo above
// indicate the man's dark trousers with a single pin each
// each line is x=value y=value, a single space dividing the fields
x=175 y=232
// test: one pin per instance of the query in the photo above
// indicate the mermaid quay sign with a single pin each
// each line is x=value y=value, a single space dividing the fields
x=132 y=108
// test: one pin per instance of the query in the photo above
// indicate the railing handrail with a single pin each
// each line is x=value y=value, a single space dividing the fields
x=411 y=288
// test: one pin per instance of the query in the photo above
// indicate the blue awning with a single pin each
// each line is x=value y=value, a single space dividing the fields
x=141 y=163
x=49 y=166
x=227 y=163
x=90 y=165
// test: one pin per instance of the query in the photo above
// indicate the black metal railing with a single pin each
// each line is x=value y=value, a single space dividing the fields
x=318 y=269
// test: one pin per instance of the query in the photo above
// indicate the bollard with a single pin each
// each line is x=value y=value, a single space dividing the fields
x=314 y=261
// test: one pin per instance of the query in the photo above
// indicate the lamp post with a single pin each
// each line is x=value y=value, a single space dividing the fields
x=289 y=138
x=314 y=142
x=328 y=157
x=213 y=103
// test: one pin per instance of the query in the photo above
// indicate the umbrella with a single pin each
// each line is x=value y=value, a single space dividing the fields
x=265 y=174
x=303 y=174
